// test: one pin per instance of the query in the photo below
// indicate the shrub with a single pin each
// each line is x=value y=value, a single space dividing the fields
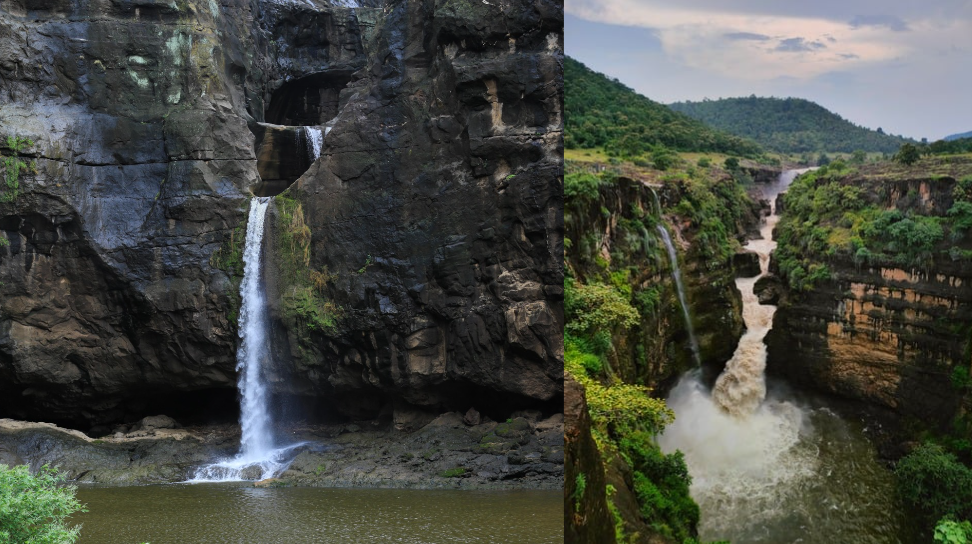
x=34 y=508
x=13 y=165
x=948 y=531
x=581 y=186
x=628 y=407
x=935 y=482
x=596 y=306
x=908 y=154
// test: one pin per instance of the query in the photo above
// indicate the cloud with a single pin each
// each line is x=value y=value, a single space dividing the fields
x=869 y=72
x=798 y=45
x=745 y=36
x=889 y=22
x=727 y=38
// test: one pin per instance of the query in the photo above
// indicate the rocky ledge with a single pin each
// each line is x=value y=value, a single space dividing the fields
x=451 y=451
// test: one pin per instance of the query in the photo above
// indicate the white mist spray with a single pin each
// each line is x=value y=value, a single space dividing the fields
x=743 y=452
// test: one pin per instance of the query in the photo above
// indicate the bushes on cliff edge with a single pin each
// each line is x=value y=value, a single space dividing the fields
x=34 y=508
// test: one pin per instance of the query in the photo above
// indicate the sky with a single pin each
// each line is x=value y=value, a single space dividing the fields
x=901 y=65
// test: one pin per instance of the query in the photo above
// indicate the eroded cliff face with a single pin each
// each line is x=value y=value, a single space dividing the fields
x=616 y=231
x=143 y=158
x=153 y=123
x=887 y=335
x=437 y=207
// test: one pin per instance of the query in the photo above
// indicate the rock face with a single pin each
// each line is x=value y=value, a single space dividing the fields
x=436 y=207
x=882 y=335
x=769 y=289
x=658 y=351
x=589 y=519
x=152 y=125
x=746 y=264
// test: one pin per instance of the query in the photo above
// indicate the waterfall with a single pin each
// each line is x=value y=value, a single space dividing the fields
x=741 y=449
x=315 y=139
x=741 y=387
x=259 y=458
x=254 y=419
x=657 y=211
x=677 y=275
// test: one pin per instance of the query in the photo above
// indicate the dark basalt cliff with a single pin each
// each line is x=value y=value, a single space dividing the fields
x=436 y=203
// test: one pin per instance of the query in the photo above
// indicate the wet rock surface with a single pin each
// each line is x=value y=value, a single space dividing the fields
x=523 y=452
x=769 y=289
x=746 y=264
x=446 y=453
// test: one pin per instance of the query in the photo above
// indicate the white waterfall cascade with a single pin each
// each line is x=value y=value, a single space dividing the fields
x=677 y=275
x=315 y=139
x=741 y=449
x=259 y=457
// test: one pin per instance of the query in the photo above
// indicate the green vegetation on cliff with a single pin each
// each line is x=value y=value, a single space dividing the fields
x=229 y=258
x=13 y=166
x=789 y=125
x=602 y=112
x=842 y=212
x=302 y=288
x=624 y=326
x=34 y=508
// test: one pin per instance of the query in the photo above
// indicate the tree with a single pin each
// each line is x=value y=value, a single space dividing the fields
x=908 y=154
x=858 y=157
x=732 y=164
x=823 y=160
x=33 y=509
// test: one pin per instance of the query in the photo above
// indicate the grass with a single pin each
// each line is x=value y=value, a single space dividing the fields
x=586 y=155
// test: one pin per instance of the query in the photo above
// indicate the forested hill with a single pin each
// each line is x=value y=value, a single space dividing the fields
x=603 y=112
x=789 y=125
x=958 y=136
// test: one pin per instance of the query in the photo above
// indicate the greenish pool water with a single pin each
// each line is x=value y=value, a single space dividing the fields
x=235 y=513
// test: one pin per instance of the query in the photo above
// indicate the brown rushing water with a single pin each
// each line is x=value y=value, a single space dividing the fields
x=234 y=513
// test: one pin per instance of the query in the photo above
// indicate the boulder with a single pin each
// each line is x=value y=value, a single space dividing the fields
x=769 y=290
x=156 y=422
x=746 y=264
x=471 y=418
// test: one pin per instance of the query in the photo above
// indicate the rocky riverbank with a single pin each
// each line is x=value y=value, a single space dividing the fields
x=452 y=451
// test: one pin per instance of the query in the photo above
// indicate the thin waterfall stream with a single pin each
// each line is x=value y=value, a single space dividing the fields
x=680 y=287
x=767 y=468
x=259 y=457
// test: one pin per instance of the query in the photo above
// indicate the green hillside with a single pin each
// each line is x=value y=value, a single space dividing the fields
x=958 y=136
x=789 y=125
x=602 y=112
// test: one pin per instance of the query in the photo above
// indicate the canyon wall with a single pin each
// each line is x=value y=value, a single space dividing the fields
x=890 y=335
x=626 y=326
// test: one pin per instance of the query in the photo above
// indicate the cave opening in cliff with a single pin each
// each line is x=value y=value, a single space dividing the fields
x=291 y=139
x=309 y=101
